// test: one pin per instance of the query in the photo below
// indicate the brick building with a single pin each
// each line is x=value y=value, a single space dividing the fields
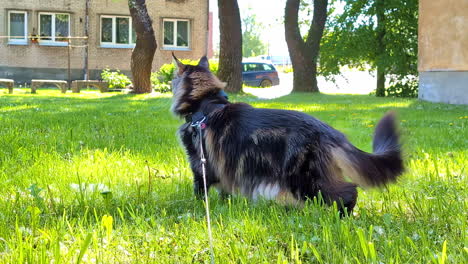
x=37 y=49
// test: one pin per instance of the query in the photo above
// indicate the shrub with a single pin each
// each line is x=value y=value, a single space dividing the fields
x=158 y=85
x=214 y=65
x=162 y=87
x=166 y=72
x=115 y=79
x=406 y=87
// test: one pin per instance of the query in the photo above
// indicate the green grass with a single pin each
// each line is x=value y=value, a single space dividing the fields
x=101 y=178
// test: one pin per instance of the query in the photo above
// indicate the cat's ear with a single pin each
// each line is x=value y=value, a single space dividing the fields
x=204 y=63
x=180 y=66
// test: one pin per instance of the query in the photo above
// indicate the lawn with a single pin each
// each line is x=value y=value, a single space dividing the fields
x=101 y=178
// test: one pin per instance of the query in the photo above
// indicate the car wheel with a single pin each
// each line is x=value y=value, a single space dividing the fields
x=266 y=83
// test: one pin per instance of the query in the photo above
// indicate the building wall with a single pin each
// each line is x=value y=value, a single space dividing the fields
x=443 y=51
x=47 y=61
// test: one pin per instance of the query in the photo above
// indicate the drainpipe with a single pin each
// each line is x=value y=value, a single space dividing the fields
x=69 y=59
x=207 y=36
x=86 y=33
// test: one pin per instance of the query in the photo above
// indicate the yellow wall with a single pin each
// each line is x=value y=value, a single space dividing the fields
x=443 y=35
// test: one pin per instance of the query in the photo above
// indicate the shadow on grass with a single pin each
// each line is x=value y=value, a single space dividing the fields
x=105 y=122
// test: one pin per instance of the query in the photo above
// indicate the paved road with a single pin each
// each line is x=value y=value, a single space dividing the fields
x=352 y=82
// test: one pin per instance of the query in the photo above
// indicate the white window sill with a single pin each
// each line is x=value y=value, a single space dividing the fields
x=54 y=44
x=176 y=48
x=18 y=42
x=118 y=46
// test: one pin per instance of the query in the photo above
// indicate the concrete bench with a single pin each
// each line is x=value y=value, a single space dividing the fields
x=62 y=85
x=8 y=83
x=80 y=84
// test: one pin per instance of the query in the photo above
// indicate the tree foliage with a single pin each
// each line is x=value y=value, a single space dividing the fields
x=355 y=38
x=252 y=44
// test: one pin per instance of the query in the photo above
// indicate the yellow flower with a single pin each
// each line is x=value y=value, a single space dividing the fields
x=370 y=125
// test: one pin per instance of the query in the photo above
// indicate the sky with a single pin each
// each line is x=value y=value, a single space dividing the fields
x=269 y=12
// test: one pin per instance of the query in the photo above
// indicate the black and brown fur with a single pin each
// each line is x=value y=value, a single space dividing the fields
x=282 y=155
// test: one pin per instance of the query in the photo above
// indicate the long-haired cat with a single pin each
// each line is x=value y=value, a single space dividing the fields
x=281 y=155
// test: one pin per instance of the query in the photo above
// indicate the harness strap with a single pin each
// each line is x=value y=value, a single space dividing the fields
x=197 y=116
x=200 y=125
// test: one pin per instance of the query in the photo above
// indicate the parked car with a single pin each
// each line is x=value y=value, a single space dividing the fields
x=259 y=74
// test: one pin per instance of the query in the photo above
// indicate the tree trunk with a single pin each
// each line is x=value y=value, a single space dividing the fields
x=230 y=54
x=143 y=53
x=380 y=56
x=304 y=55
x=380 y=89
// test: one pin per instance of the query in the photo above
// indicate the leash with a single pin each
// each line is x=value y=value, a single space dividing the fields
x=199 y=125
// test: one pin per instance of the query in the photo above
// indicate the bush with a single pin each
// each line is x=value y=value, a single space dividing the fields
x=115 y=79
x=166 y=72
x=162 y=87
x=158 y=82
x=154 y=78
x=214 y=65
x=406 y=87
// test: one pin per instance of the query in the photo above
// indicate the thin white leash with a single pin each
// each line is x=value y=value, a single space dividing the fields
x=207 y=206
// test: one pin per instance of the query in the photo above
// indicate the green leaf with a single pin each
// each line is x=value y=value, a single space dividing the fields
x=84 y=247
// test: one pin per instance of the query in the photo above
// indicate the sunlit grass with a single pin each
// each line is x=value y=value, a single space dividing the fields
x=101 y=178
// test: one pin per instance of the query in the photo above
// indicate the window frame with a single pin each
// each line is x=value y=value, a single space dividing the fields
x=189 y=39
x=114 y=43
x=15 y=41
x=52 y=41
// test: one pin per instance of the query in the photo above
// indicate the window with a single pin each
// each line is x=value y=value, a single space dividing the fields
x=267 y=67
x=251 y=67
x=176 y=33
x=54 y=28
x=117 y=32
x=17 y=27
